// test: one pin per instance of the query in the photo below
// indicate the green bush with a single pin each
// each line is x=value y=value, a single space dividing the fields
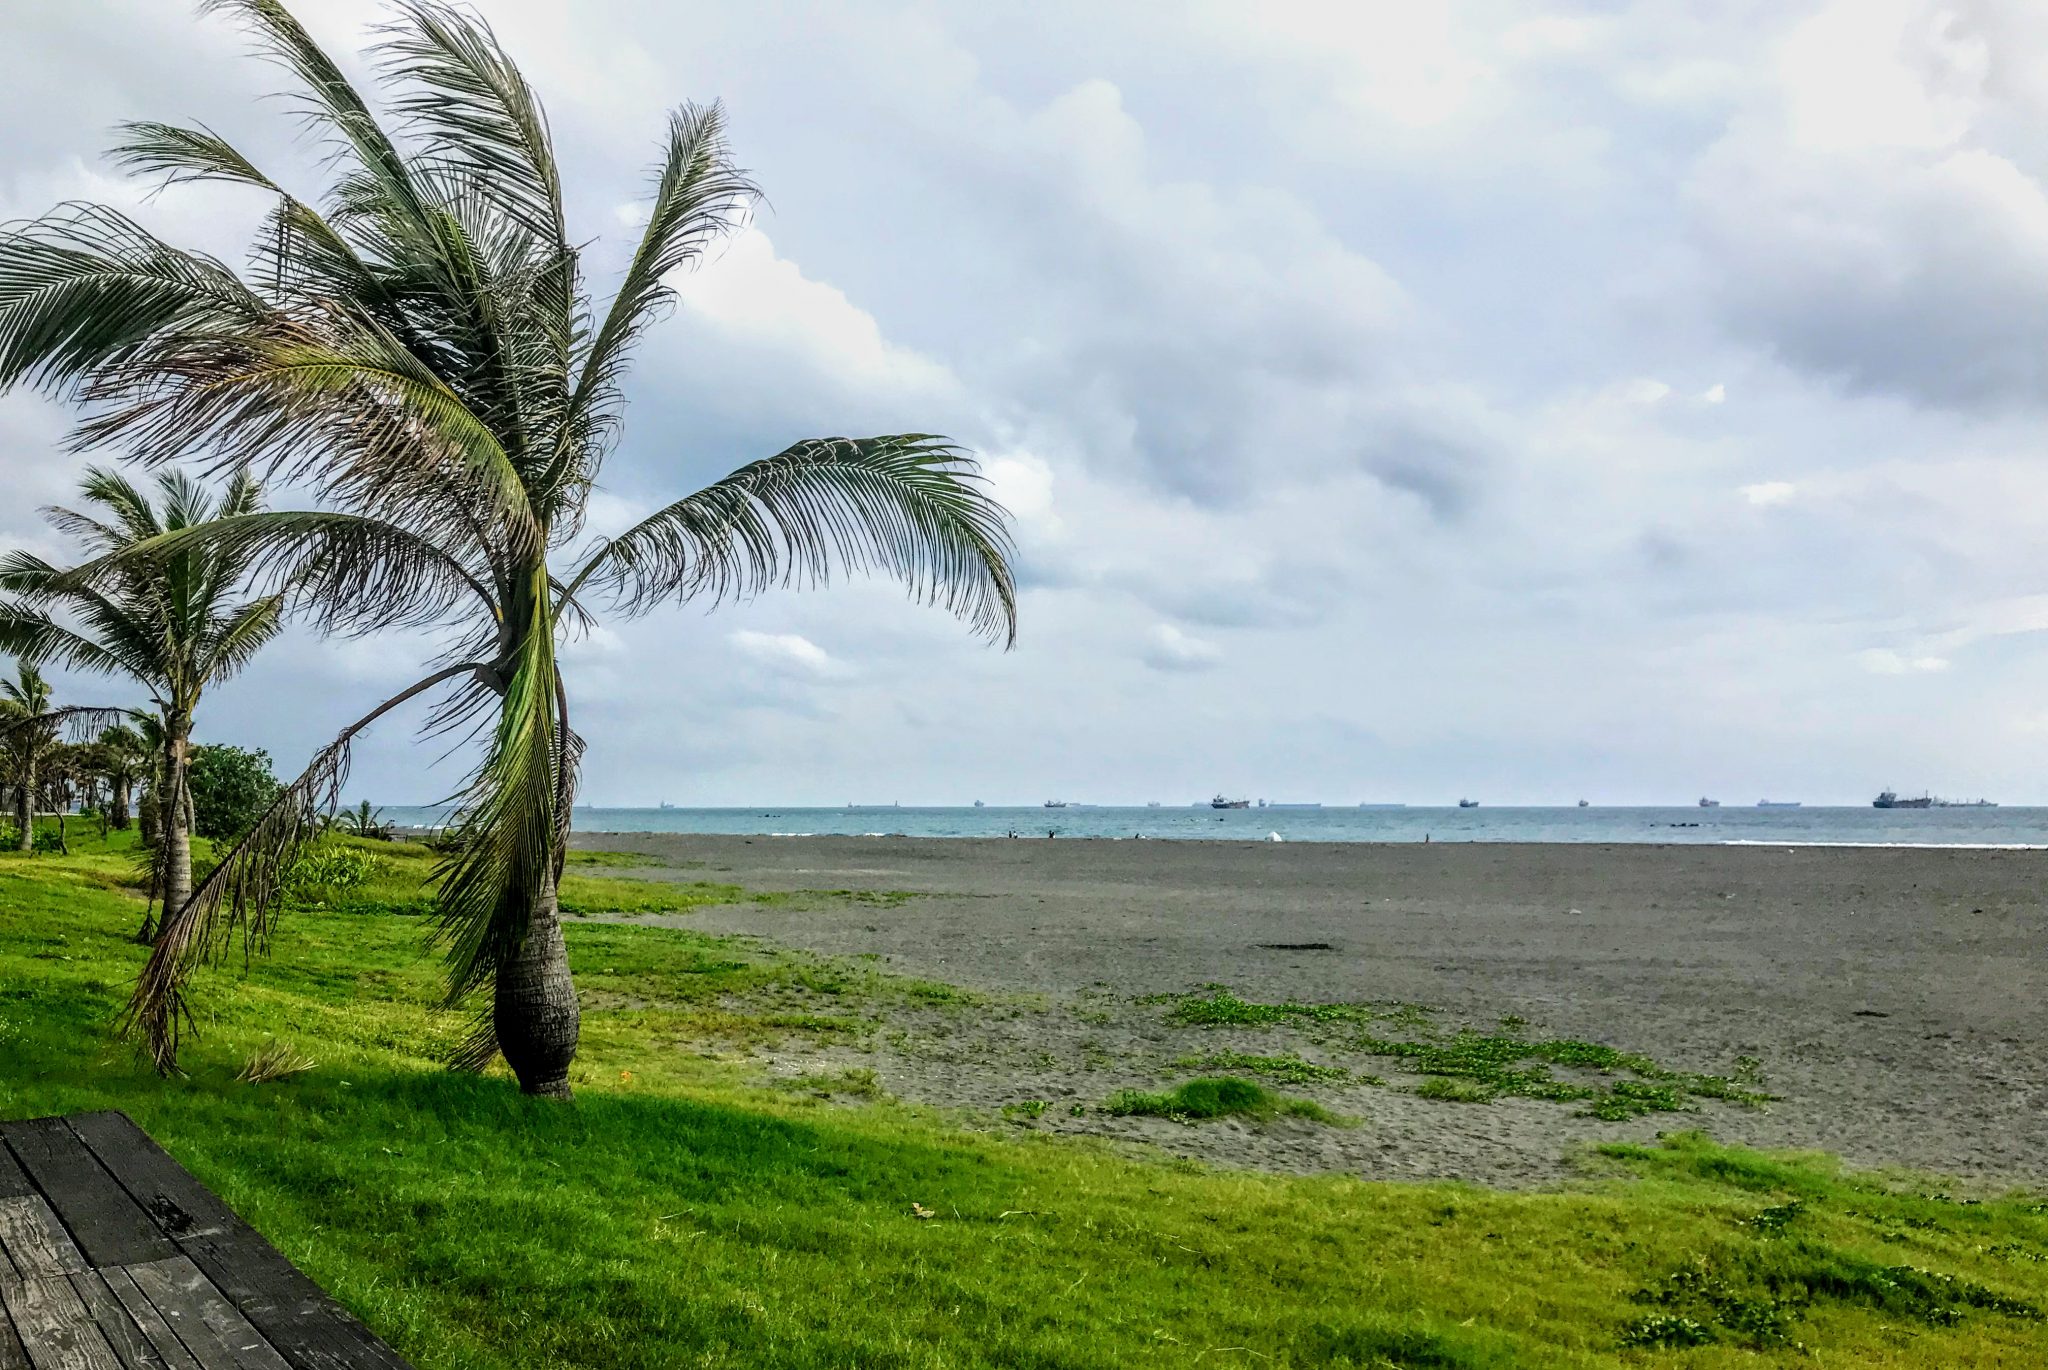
x=231 y=786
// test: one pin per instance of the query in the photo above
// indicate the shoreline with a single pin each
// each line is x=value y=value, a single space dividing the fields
x=1890 y=995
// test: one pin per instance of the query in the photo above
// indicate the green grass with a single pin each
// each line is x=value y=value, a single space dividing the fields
x=1219 y=1097
x=1288 y=1070
x=684 y=1212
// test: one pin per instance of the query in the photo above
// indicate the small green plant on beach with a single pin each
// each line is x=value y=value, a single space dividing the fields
x=1221 y=1097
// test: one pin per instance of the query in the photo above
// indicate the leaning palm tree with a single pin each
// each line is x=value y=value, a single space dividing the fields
x=174 y=624
x=419 y=349
x=29 y=726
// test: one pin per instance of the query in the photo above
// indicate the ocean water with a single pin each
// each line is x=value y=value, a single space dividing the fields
x=2002 y=827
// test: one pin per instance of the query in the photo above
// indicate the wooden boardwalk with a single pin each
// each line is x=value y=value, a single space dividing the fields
x=112 y=1257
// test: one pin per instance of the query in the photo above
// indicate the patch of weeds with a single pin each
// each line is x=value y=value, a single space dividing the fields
x=1220 y=1097
x=1773 y=1221
x=1219 y=1007
x=1665 y=1332
x=874 y=899
x=1493 y=1064
x=1027 y=1108
x=1448 y=1090
x=1288 y=1070
x=1755 y=1297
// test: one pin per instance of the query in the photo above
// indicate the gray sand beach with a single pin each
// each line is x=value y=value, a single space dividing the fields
x=1892 y=996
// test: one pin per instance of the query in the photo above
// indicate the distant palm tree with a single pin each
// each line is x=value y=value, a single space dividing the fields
x=31 y=736
x=124 y=759
x=422 y=352
x=173 y=624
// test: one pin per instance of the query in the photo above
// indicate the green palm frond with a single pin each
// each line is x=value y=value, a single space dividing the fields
x=473 y=110
x=183 y=154
x=86 y=287
x=910 y=505
x=699 y=196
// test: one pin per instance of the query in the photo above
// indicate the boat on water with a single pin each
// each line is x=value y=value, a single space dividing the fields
x=1468 y=803
x=1221 y=802
x=1777 y=803
x=1584 y=805
x=1151 y=803
x=1889 y=799
x=666 y=805
x=1707 y=803
x=1965 y=803
x=1055 y=803
x=979 y=805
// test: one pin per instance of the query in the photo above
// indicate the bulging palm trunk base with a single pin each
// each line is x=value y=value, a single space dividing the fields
x=534 y=1011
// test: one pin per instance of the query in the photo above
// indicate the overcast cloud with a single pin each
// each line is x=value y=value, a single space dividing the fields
x=1396 y=401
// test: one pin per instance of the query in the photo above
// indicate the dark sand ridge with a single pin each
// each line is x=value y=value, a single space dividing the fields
x=1895 y=996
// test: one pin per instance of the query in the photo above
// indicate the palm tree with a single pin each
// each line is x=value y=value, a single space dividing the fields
x=422 y=353
x=173 y=624
x=31 y=735
x=124 y=759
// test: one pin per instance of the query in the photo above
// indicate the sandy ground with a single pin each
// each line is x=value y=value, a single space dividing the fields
x=1895 y=997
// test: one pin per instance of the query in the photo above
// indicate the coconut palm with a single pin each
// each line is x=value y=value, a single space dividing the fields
x=124 y=759
x=420 y=350
x=174 y=624
x=30 y=728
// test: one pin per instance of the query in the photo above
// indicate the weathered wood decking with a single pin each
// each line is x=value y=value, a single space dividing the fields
x=112 y=1257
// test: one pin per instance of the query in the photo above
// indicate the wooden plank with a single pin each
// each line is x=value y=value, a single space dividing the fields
x=162 y=1339
x=179 y=1204
x=12 y=1355
x=56 y=1329
x=211 y=1327
x=129 y=1345
x=35 y=1240
x=13 y=1184
x=310 y=1328
x=108 y=1225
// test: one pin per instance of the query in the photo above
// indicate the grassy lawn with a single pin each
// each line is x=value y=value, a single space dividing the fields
x=681 y=1212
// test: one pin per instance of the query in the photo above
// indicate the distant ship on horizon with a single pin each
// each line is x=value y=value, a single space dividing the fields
x=1584 y=805
x=1055 y=803
x=1707 y=803
x=1777 y=803
x=1468 y=803
x=1220 y=802
x=1889 y=799
x=1965 y=803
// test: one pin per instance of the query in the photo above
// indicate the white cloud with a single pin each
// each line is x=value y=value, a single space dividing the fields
x=1765 y=494
x=788 y=654
x=1167 y=648
x=1885 y=661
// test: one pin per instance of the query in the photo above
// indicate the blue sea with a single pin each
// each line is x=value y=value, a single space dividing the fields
x=1957 y=827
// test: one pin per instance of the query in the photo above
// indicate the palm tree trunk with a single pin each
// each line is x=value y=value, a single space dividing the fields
x=534 y=1011
x=177 y=825
x=25 y=805
x=119 y=803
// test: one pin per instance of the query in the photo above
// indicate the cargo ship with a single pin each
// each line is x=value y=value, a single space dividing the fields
x=1219 y=802
x=1468 y=803
x=1707 y=803
x=1889 y=799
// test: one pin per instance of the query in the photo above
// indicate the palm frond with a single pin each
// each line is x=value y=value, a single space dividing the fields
x=699 y=196
x=85 y=287
x=239 y=635
x=910 y=505
x=183 y=154
x=241 y=893
x=472 y=108
x=36 y=637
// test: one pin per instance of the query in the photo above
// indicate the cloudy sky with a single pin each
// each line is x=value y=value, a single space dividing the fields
x=1627 y=399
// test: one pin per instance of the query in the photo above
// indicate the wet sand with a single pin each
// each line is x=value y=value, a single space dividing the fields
x=1895 y=997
